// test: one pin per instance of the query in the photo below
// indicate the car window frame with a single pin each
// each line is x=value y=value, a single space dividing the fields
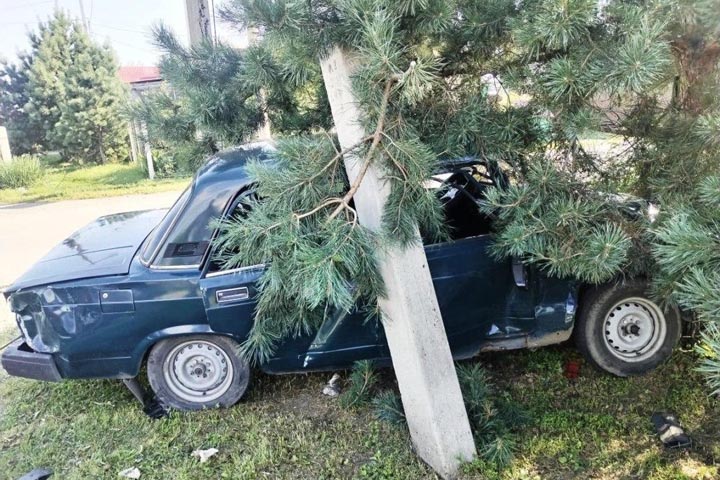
x=162 y=243
x=206 y=260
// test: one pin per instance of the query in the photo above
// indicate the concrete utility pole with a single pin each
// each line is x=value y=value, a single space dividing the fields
x=148 y=153
x=201 y=20
x=5 y=154
x=265 y=131
x=421 y=357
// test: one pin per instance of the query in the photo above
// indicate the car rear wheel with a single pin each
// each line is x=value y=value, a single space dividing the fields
x=622 y=331
x=197 y=372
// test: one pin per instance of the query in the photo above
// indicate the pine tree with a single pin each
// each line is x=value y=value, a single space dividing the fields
x=45 y=88
x=625 y=70
x=25 y=137
x=90 y=125
x=74 y=94
x=643 y=71
x=220 y=95
x=687 y=248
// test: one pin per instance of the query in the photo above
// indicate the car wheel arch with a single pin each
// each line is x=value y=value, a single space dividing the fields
x=142 y=350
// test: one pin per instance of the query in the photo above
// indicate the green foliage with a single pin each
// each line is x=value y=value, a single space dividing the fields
x=566 y=227
x=177 y=144
x=361 y=385
x=22 y=172
x=523 y=84
x=490 y=419
x=317 y=264
x=24 y=136
x=687 y=248
x=388 y=407
x=73 y=93
x=220 y=96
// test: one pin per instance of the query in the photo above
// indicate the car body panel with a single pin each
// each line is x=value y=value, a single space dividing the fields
x=97 y=323
x=101 y=248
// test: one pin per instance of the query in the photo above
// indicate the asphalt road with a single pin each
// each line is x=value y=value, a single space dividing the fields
x=29 y=230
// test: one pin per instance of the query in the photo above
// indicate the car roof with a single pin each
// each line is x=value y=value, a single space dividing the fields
x=229 y=164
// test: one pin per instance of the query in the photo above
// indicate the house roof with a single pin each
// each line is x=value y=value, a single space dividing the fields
x=132 y=75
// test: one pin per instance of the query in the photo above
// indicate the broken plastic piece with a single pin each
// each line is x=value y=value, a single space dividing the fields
x=669 y=430
x=151 y=406
x=37 y=474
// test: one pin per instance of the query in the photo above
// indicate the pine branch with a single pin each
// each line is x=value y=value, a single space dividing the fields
x=369 y=156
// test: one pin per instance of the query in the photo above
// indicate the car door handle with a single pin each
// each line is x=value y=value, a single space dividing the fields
x=232 y=295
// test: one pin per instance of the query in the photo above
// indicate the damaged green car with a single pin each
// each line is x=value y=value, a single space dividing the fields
x=142 y=288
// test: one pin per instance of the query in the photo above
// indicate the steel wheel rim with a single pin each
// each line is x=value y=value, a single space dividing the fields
x=634 y=329
x=198 y=371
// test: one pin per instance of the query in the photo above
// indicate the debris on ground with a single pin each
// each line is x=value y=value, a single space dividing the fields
x=332 y=388
x=37 y=474
x=151 y=406
x=669 y=431
x=204 y=455
x=572 y=369
x=132 y=472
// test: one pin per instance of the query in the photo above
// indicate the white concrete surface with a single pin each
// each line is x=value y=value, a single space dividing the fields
x=421 y=357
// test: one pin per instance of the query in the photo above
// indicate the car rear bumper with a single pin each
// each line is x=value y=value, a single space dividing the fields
x=19 y=360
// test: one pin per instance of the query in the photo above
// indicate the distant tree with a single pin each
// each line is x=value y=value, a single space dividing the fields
x=220 y=96
x=25 y=136
x=74 y=93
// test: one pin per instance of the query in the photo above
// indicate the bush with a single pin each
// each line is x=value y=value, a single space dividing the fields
x=23 y=171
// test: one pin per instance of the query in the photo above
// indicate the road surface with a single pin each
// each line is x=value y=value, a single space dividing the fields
x=29 y=230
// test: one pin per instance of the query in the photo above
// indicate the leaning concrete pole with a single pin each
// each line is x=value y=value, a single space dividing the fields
x=200 y=20
x=419 y=348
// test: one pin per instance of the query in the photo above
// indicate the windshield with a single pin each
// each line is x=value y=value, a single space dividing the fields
x=158 y=234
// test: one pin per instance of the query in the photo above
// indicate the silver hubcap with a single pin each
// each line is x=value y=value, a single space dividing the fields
x=198 y=371
x=635 y=329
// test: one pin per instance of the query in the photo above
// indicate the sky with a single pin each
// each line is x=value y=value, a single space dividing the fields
x=124 y=24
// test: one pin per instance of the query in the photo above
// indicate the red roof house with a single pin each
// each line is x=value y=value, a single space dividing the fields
x=131 y=75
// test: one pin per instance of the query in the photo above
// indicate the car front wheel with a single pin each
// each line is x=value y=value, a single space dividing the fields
x=622 y=331
x=197 y=372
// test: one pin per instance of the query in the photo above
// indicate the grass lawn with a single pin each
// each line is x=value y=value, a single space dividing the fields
x=594 y=427
x=73 y=182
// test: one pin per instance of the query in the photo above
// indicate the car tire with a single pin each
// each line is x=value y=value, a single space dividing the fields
x=197 y=372
x=622 y=331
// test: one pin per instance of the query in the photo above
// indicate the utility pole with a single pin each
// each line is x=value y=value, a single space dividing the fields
x=200 y=20
x=264 y=132
x=419 y=348
x=85 y=22
x=148 y=153
x=5 y=155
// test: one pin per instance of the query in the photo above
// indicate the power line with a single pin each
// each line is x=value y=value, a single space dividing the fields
x=121 y=29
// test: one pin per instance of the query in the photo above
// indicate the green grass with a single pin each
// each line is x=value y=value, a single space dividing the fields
x=595 y=427
x=62 y=182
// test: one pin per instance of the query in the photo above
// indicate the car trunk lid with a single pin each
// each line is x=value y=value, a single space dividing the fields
x=103 y=247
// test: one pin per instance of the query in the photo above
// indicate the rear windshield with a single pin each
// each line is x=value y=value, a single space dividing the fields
x=158 y=235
